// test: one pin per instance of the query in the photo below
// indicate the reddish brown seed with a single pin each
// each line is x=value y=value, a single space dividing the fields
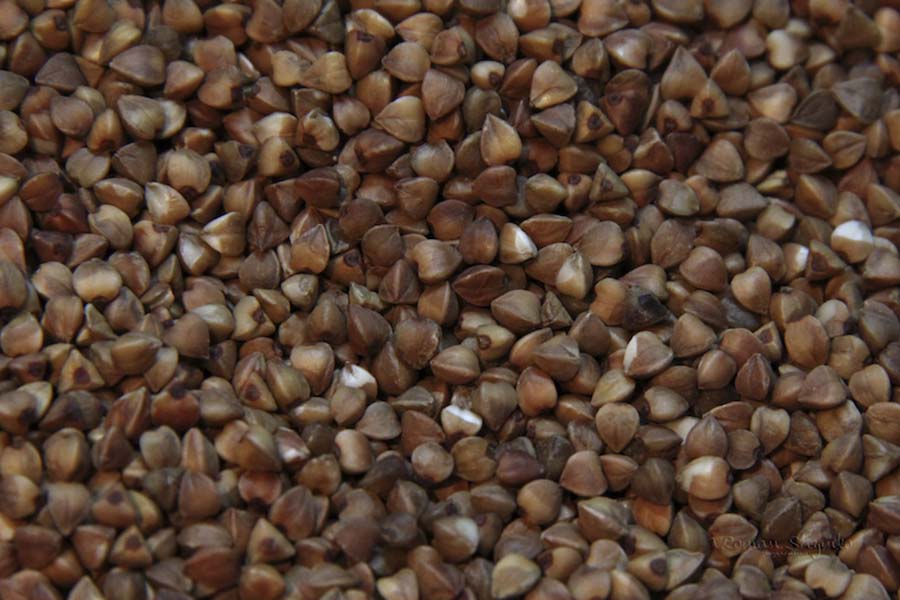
x=419 y=298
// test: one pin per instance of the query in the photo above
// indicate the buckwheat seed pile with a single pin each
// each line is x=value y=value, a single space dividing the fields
x=449 y=299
